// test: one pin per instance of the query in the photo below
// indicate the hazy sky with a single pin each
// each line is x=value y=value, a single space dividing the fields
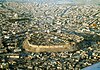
x=59 y=1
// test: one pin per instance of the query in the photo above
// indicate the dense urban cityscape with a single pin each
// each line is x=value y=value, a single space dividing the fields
x=45 y=24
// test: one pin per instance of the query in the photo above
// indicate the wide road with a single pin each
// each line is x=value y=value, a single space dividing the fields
x=93 y=67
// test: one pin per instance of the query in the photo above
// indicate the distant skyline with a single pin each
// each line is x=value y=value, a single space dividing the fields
x=59 y=1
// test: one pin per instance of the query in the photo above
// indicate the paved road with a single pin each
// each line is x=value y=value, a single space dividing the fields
x=93 y=67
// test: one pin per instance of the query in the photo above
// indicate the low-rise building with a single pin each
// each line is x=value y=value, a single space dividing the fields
x=13 y=56
x=3 y=50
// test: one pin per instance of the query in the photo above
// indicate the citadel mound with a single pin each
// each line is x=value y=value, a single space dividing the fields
x=69 y=43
